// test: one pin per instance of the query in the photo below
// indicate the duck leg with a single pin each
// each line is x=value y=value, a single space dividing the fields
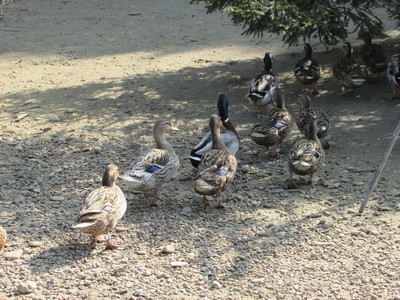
x=291 y=185
x=220 y=201
x=207 y=200
x=395 y=92
x=110 y=245
x=311 y=175
x=155 y=201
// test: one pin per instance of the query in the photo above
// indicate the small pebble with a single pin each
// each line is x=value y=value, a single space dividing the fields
x=178 y=263
x=27 y=287
x=168 y=249
x=216 y=284
x=35 y=243
x=13 y=254
x=245 y=169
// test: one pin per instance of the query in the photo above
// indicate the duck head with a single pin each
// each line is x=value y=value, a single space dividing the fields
x=110 y=175
x=223 y=108
x=268 y=63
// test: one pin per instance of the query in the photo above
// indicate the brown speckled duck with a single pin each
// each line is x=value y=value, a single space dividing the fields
x=103 y=209
x=273 y=126
x=348 y=71
x=306 y=155
x=307 y=113
x=156 y=166
x=372 y=55
x=217 y=167
x=3 y=238
x=307 y=70
x=230 y=137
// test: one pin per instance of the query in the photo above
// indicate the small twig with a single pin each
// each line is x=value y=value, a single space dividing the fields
x=28 y=108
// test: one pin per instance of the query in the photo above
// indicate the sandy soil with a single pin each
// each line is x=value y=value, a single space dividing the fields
x=81 y=83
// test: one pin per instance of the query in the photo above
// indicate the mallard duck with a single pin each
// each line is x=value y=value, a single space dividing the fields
x=306 y=155
x=102 y=209
x=393 y=75
x=230 y=136
x=307 y=70
x=372 y=55
x=348 y=71
x=273 y=126
x=3 y=238
x=217 y=167
x=156 y=166
x=262 y=86
x=308 y=113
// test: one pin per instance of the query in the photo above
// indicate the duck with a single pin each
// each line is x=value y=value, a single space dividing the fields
x=274 y=126
x=102 y=209
x=372 y=55
x=306 y=155
x=230 y=136
x=348 y=71
x=217 y=167
x=307 y=113
x=307 y=70
x=393 y=76
x=261 y=88
x=3 y=238
x=150 y=171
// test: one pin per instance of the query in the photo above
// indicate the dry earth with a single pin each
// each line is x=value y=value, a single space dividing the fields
x=81 y=84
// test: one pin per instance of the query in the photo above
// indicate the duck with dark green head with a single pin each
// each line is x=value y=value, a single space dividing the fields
x=262 y=87
x=229 y=136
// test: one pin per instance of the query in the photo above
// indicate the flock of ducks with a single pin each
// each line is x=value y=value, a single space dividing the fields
x=214 y=156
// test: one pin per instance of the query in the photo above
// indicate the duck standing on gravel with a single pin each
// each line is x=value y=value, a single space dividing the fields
x=307 y=113
x=393 y=75
x=156 y=166
x=217 y=167
x=307 y=70
x=262 y=89
x=230 y=137
x=102 y=209
x=372 y=55
x=306 y=155
x=274 y=126
x=3 y=238
x=348 y=71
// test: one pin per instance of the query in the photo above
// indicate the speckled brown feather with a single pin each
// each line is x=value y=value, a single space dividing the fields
x=3 y=238
x=307 y=113
x=217 y=167
x=103 y=208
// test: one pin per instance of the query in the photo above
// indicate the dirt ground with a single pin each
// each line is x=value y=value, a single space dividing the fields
x=81 y=84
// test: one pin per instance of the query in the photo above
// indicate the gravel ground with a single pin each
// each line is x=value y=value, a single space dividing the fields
x=81 y=86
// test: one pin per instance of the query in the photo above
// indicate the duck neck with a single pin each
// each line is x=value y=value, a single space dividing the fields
x=308 y=53
x=280 y=101
x=229 y=126
x=312 y=131
x=216 y=139
x=108 y=180
x=161 y=142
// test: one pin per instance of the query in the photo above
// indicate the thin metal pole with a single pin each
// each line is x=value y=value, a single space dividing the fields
x=380 y=169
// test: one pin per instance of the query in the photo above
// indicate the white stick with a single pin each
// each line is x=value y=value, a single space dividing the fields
x=380 y=169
